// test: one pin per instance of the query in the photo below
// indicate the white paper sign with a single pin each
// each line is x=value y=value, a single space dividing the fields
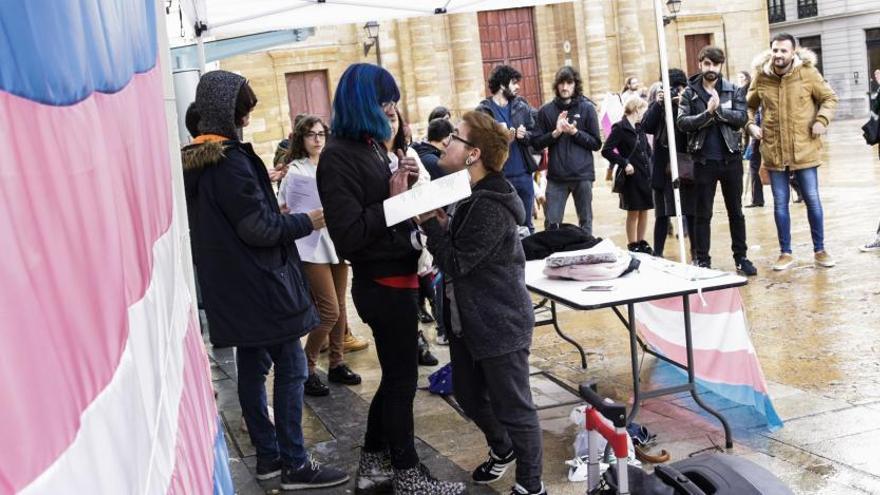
x=302 y=196
x=435 y=194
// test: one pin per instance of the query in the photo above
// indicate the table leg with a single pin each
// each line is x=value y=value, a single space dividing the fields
x=566 y=337
x=728 y=442
x=634 y=359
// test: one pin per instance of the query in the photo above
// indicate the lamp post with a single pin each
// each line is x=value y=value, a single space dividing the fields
x=371 y=29
x=673 y=6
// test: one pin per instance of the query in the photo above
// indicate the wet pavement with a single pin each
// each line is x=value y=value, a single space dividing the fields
x=814 y=329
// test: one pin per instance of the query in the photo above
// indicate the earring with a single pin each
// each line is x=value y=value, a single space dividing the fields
x=467 y=162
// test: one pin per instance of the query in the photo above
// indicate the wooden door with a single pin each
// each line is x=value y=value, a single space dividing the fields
x=693 y=43
x=508 y=37
x=307 y=92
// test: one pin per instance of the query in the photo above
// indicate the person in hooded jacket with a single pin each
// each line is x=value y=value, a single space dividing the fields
x=354 y=180
x=797 y=105
x=654 y=123
x=569 y=128
x=252 y=284
x=489 y=310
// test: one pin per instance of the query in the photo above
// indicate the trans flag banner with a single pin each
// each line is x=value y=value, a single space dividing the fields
x=104 y=378
x=724 y=357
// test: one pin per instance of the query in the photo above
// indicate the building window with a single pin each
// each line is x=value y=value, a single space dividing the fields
x=776 y=9
x=814 y=43
x=807 y=8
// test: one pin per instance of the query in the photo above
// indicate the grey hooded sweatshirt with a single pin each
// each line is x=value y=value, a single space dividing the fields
x=482 y=258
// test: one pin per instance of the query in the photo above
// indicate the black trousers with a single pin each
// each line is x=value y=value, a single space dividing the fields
x=392 y=316
x=755 y=167
x=495 y=394
x=730 y=174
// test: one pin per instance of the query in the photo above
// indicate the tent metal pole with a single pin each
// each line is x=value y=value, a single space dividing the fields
x=200 y=53
x=670 y=125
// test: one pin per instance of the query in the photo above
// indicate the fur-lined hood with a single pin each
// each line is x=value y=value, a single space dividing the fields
x=199 y=156
x=196 y=158
x=802 y=57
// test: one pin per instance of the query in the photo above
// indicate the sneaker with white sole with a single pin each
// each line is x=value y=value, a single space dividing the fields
x=494 y=468
x=824 y=259
x=519 y=490
x=871 y=246
x=784 y=262
x=311 y=475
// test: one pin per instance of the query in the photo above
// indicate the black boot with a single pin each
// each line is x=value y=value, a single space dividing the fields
x=425 y=356
x=643 y=247
x=418 y=481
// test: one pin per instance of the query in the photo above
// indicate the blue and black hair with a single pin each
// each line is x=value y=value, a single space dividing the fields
x=357 y=105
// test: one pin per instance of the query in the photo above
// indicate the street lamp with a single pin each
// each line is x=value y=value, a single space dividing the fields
x=371 y=29
x=673 y=6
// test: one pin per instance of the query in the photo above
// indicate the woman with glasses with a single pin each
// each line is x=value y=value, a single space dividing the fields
x=490 y=312
x=354 y=179
x=326 y=273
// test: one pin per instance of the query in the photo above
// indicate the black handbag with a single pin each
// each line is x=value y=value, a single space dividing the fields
x=871 y=131
x=685 y=167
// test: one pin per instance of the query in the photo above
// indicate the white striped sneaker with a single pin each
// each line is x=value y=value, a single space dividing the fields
x=871 y=246
x=493 y=469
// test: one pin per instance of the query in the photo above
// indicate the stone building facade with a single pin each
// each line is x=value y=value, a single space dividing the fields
x=439 y=60
x=845 y=34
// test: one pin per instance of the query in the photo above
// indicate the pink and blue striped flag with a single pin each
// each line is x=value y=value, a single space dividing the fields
x=104 y=377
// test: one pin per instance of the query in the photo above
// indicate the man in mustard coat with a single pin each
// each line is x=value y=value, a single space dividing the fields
x=798 y=105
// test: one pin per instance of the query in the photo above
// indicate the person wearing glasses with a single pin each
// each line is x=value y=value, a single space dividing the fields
x=326 y=273
x=489 y=311
x=354 y=179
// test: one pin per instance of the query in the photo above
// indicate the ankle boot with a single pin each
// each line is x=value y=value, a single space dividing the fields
x=418 y=481
x=374 y=474
x=425 y=356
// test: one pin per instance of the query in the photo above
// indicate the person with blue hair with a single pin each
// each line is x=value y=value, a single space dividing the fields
x=354 y=179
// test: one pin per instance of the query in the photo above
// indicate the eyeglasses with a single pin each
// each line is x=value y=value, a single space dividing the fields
x=458 y=138
x=316 y=135
x=388 y=105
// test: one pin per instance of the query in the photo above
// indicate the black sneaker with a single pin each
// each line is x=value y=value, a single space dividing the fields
x=519 y=490
x=343 y=374
x=493 y=469
x=633 y=247
x=703 y=262
x=311 y=475
x=266 y=470
x=315 y=387
x=644 y=247
x=745 y=267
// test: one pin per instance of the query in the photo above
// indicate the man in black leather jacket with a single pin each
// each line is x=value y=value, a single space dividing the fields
x=713 y=111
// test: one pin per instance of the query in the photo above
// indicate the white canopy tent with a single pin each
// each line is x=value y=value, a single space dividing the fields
x=227 y=18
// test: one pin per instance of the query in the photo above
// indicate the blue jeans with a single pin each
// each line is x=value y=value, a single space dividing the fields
x=557 y=197
x=285 y=439
x=526 y=191
x=809 y=182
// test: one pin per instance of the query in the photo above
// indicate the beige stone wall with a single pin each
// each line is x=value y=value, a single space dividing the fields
x=436 y=59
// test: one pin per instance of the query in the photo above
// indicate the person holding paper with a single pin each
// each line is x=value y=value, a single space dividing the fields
x=488 y=307
x=326 y=273
x=354 y=180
